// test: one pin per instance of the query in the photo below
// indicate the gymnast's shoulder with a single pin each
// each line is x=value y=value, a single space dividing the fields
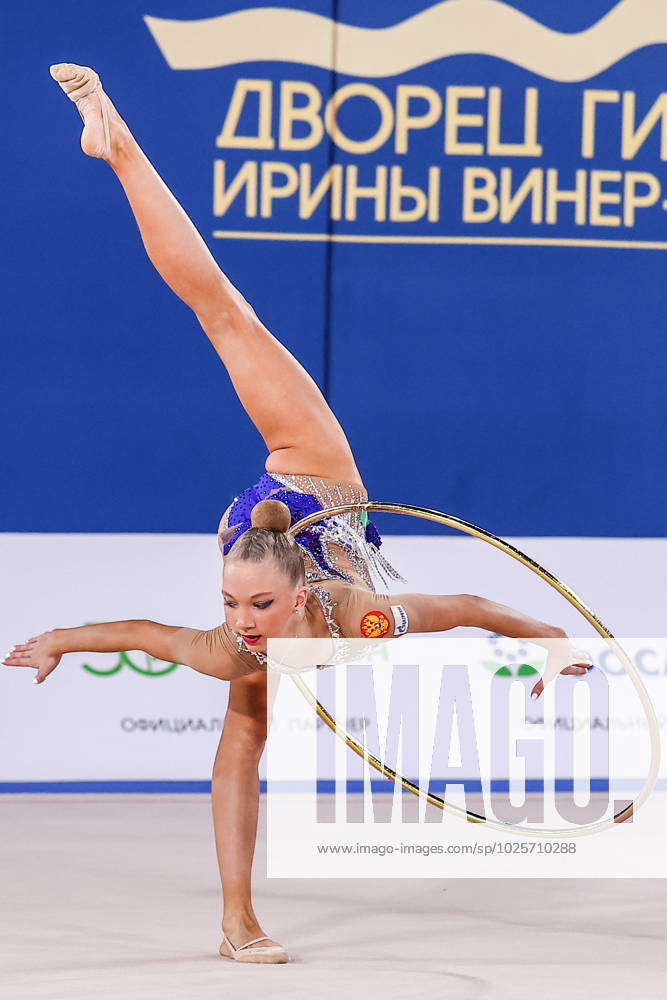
x=366 y=614
x=210 y=651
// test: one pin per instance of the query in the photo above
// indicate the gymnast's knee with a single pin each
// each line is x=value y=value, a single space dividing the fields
x=244 y=741
x=251 y=736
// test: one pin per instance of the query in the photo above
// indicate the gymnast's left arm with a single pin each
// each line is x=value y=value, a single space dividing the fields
x=438 y=613
x=372 y=615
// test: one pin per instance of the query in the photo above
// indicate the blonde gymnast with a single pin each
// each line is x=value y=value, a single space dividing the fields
x=318 y=585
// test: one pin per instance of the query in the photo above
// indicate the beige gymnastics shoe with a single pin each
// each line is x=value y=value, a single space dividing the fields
x=82 y=85
x=274 y=954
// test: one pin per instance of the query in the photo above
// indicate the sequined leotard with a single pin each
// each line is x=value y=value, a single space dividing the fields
x=342 y=547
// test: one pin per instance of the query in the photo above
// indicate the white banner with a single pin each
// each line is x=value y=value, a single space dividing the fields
x=114 y=717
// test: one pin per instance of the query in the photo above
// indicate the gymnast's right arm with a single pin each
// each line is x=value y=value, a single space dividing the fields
x=204 y=651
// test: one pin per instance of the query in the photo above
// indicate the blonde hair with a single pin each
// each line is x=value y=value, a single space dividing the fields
x=267 y=539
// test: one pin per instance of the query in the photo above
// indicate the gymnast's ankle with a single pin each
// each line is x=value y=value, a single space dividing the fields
x=239 y=915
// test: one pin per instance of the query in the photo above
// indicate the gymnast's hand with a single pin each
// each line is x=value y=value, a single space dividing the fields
x=562 y=658
x=40 y=652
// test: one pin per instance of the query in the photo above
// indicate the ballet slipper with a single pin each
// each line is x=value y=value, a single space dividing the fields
x=276 y=953
x=82 y=85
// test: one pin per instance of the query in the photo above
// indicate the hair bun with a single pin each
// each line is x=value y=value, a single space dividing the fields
x=274 y=515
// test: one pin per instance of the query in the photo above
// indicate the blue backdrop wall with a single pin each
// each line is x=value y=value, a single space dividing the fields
x=515 y=383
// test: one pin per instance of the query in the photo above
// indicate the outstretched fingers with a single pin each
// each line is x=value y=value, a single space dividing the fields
x=539 y=687
x=562 y=659
x=21 y=655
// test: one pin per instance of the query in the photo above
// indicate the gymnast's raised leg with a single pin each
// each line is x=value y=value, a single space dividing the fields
x=301 y=433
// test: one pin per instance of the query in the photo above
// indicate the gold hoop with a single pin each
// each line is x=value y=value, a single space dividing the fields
x=562 y=588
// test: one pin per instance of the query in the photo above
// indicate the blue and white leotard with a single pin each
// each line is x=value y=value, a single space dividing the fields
x=343 y=546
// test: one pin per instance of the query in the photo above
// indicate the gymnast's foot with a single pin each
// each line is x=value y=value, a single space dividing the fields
x=238 y=933
x=103 y=128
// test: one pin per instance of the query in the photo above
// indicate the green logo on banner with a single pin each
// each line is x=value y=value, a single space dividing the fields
x=521 y=670
x=125 y=660
x=510 y=655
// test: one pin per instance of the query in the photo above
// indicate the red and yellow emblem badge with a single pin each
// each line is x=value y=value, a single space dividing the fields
x=374 y=624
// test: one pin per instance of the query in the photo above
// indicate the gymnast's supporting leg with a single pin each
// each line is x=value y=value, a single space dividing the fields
x=299 y=429
x=235 y=801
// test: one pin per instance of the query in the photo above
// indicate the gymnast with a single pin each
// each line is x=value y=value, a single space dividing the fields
x=319 y=584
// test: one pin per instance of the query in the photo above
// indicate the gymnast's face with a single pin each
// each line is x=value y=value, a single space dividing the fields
x=261 y=601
